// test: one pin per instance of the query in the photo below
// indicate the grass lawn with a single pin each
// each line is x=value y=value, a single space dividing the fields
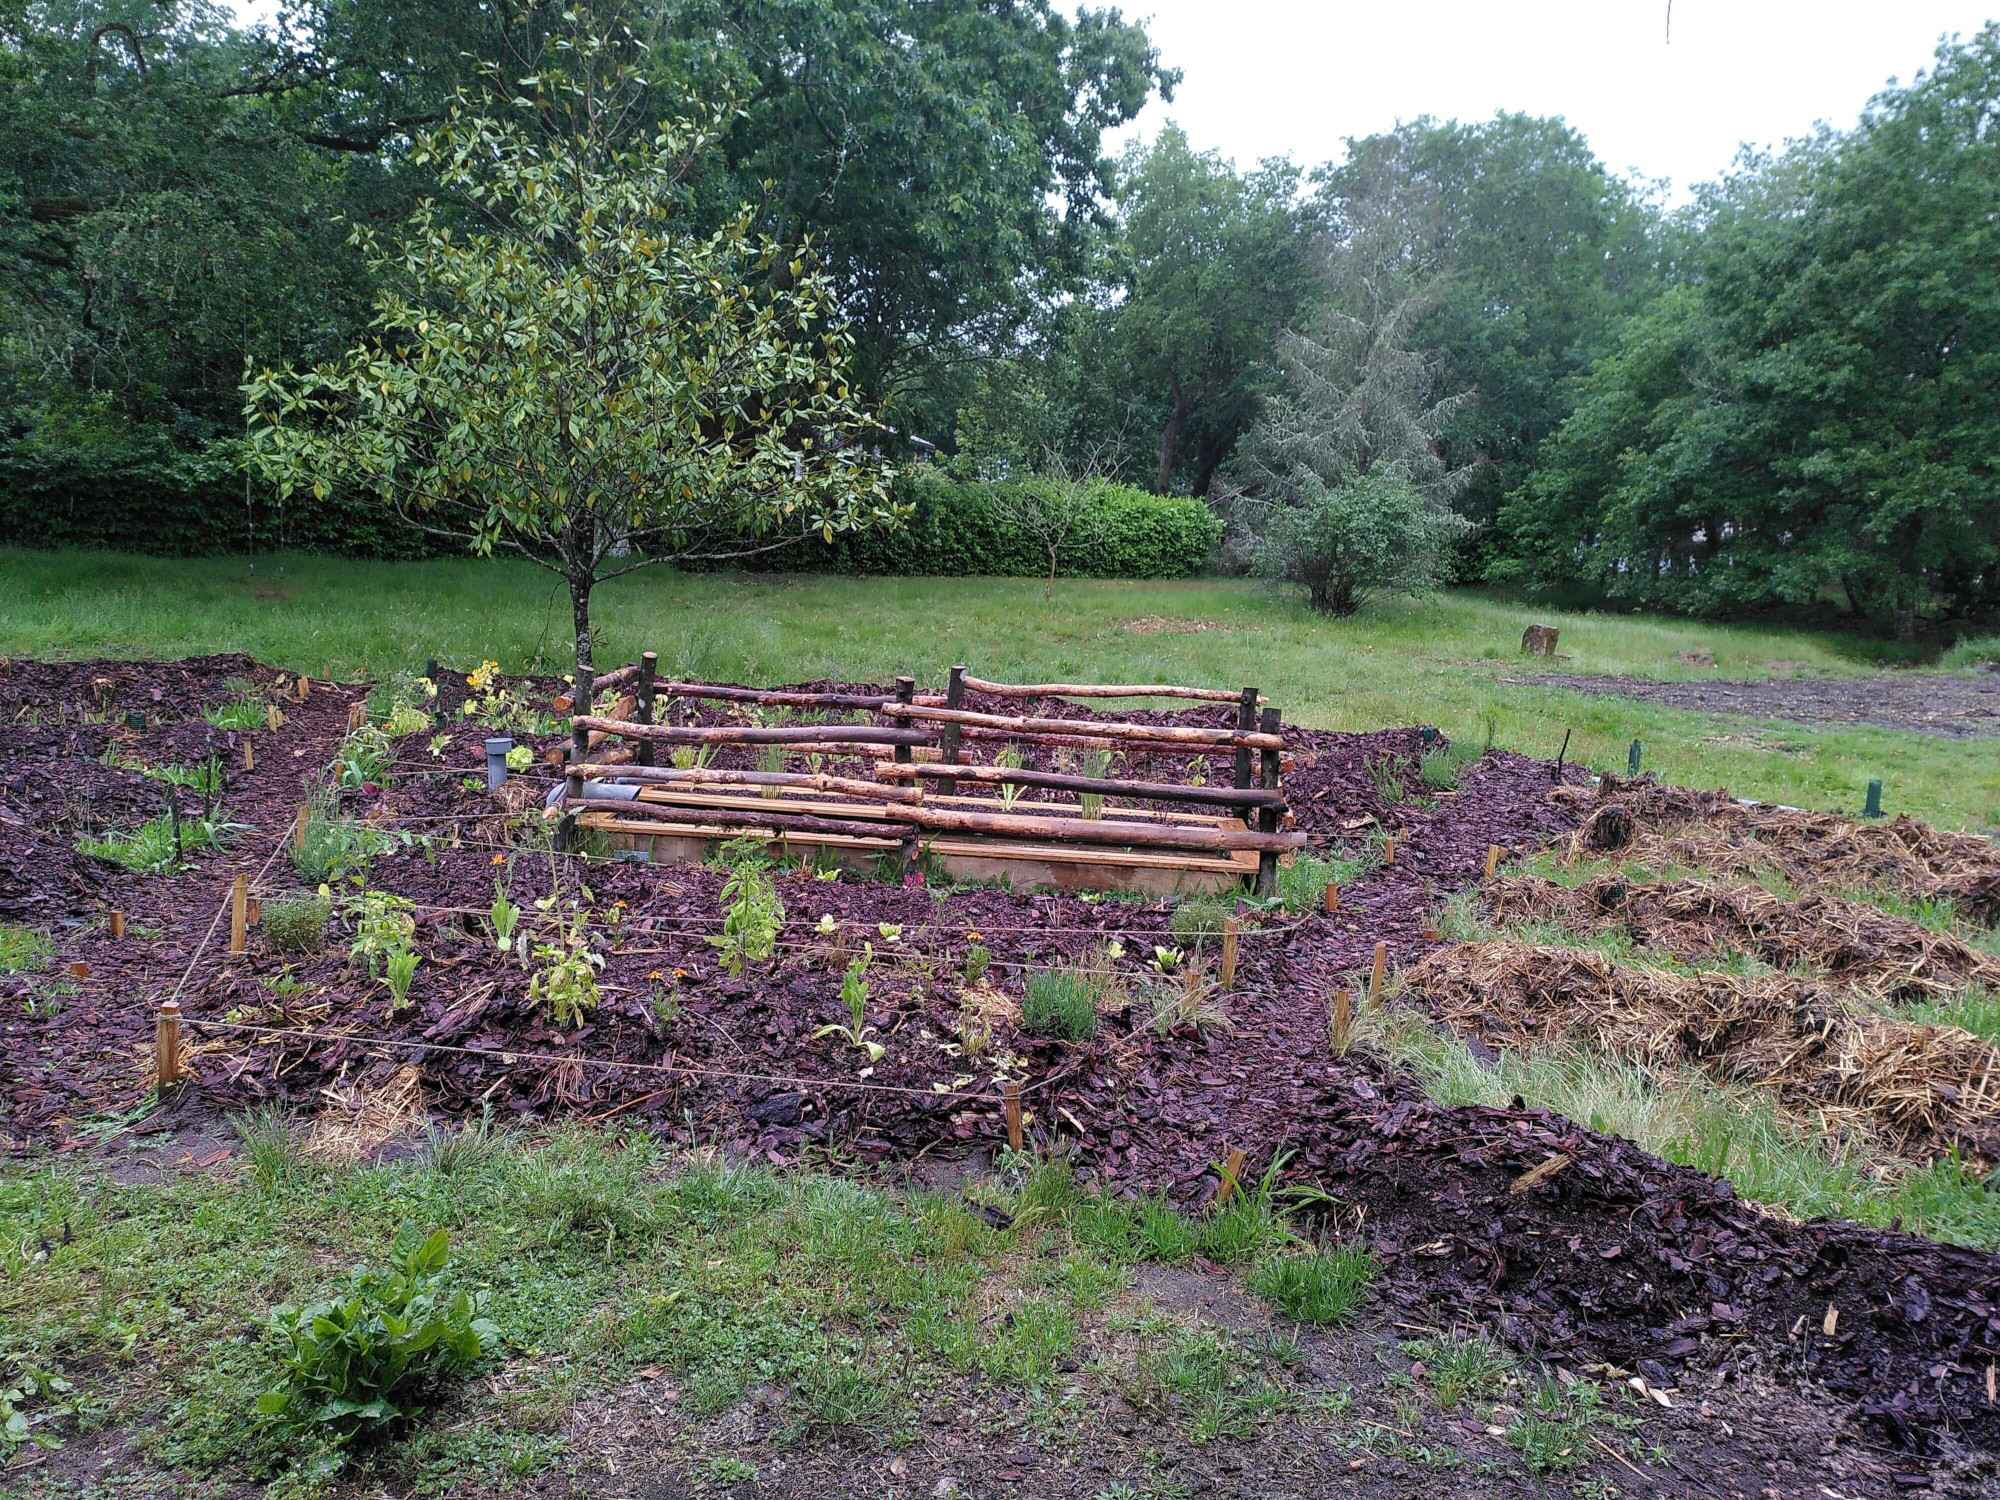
x=1398 y=662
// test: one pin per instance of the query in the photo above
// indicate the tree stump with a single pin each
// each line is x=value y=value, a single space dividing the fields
x=1539 y=640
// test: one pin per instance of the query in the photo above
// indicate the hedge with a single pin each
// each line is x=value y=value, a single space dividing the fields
x=953 y=532
x=142 y=493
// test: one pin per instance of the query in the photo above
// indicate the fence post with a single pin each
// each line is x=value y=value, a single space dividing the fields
x=1267 y=817
x=1375 y=972
x=1229 y=930
x=906 y=689
x=649 y=669
x=1246 y=720
x=954 y=697
x=167 y=1047
x=117 y=924
x=1014 y=1115
x=239 y=915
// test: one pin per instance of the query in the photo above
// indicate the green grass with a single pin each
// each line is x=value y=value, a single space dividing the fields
x=1326 y=1286
x=1688 y=1118
x=1062 y=1002
x=154 y=847
x=24 y=948
x=1397 y=662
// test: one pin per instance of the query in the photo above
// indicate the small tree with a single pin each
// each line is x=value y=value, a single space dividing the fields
x=1370 y=532
x=575 y=375
x=1061 y=511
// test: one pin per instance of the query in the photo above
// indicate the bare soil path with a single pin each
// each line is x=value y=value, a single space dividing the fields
x=1930 y=703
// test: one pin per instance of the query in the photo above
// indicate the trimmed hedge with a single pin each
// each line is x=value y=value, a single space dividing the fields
x=953 y=532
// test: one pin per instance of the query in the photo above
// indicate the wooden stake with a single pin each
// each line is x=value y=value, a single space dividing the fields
x=1332 y=896
x=1343 y=1015
x=1492 y=859
x=299 y=828
x=255 y=914
x=1388 y=848
x=305 y=688
x=117 y=924
x=272 y=716
x=1375 y=972
x=167 y=1047
x=1229 y=929
x=249 y=757
x=1014 y=1115
x=239 y=914
x=79 y=970
x=1232 y=1174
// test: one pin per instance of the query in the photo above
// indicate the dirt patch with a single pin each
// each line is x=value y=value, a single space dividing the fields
x=1645 y=822
x=1927 y=702
x=1926 y=1088
x=1850 y=942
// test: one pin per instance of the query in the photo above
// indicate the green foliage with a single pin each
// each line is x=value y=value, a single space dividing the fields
x=298 y=925
x=1199 y=918
x=246 y=711
x=23 y=949
x=367 y=1358
x=967 y=527
x=30 y=1388
x=978 y=959
x=752 y=916
x=1325 y=1286
x=384 y=925
x=592 y=364
x=854 y=995
x=336 y=846
x=1302 y=883
x=1461 y=1365
x=1367 y=534
x=1554 y=1431
x=1063 y=1001
x=566 y=982
x=158 y=846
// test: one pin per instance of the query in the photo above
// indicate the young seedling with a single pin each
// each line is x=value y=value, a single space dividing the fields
x=505 y=915
x=854 y=995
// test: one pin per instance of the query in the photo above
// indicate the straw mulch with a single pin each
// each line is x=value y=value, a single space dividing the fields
x=1919 y=1089
x=1709 y=830
x=1889 y=957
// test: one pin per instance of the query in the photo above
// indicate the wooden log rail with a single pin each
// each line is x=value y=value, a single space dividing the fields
x=1105 y=831
x=742 y=734
x=1166 y=734
x=1098 y=690
x=730 y=817
x=1145 y=791
x=836 y=786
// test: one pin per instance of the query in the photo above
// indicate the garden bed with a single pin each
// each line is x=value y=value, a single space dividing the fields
x=1611 y=1255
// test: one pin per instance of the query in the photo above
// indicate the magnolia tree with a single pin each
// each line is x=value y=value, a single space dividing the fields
x=562 y=369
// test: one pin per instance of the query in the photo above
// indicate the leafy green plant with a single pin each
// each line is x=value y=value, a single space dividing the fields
x=365 y=756
x=1064 y=1001
x=978 y=959
x=1198 y=918
x=1461 y=1365
x=245 y=711
x=1323 y=1287
x=159 y=846
x=505 y=917
x=854 y=995
x=1008 y=758
x=400 y=972
x=1554 y=1431
x=367 y=1357
x=298 y=925
x=567 y=980
x=692 y=757
x=383 y=925
x=1186 y=1000
x=17 y=1425
x=204 y=778
x=1094 y=763
x=1442 y=770
x=335 y=846
x=1388 y=773
x=24 y=948
x=270 y=1146
x=753 y=916
x=1302 y=883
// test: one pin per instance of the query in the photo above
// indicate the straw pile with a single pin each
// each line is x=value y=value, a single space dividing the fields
x=1920 y=1089
x=1709 y=830
x=358 y=1119
x=1891 y=958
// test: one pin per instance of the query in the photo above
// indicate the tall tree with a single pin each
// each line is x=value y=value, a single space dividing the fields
x=1216 y=264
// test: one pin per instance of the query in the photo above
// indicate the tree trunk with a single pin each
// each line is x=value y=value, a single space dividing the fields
x=1170 y=439
x=1906 y=619
x=580 y=700
x=1049 y=588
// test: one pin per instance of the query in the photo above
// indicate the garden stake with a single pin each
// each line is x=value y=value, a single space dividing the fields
x=1014 y=1116
x=1375 y=971
x=167 y=1047
x=1873 y=808
x=1332 y=896
x=1492 y=859
x=1388 y=848
x=249 y=756
x=117 y=924
x=299 y=829
x=1632 y=757
x=239 y=914
x=1232 y=1172
x=254 y=913
x=272 y=716
x=79 y=970
x=305 y=688
x=1343 y=1014
x=649 y=671
x=1229 y=928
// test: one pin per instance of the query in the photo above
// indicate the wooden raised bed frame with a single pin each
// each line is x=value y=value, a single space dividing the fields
x=920 y=800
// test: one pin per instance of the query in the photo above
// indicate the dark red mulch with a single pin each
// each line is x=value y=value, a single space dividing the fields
x=1618 y=1257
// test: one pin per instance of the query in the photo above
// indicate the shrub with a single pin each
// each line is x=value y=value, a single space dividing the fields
x=335 y=846
x=297 y=926
x=1371 y=533
x=1973 y=655
x=364 y=1359
x=1320 y=1288
x=955 y=529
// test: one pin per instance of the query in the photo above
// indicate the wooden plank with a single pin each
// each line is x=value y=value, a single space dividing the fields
x=845 y=786
x=1152 y=791
x=733 y=734
x=1165 y=734
x=1095 y=690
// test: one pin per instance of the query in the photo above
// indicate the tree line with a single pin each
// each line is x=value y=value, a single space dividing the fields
x=1465 y=351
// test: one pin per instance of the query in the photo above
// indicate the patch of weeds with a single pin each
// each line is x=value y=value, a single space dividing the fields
x=246 y=711
x=455 y=1152
x=335 y=846
x=724 y=1469
x=1199 y=918
x=1248 y=1224
x=1028 y=1341
x=1442 y=770
x=1063 y=1001
x=1325 y=1286
x=365 y=756
x=1390 y=776
x=270 y=1144
x=839 y=1396
x=161 y=844
x=1554 y=1431
x=1976 y=1009
x=1302 y=883
x=1186 y=1000
x=1460 y=1365
x=1203 y=1377
x=24 y=949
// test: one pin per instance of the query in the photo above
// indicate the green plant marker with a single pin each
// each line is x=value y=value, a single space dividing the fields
x=1632 y=758
x=1873 y=808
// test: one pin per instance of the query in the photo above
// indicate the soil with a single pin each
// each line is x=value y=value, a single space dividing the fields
x=1616 y=1258
x=1930 y=703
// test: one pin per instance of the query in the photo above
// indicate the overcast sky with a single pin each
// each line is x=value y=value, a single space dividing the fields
x=1296 y=77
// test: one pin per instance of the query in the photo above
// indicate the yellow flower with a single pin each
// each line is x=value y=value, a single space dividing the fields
x=499 y=859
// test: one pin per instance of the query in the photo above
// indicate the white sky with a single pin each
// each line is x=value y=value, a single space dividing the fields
x=1296 y=77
